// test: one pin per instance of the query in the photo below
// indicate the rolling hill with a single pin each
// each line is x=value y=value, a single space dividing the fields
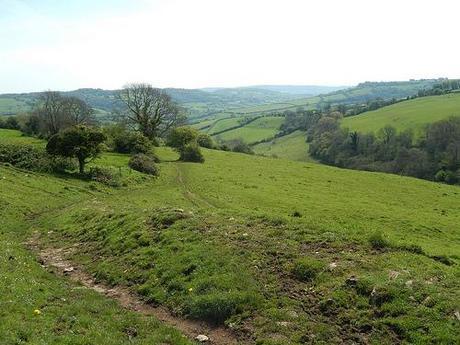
x=292 y=146
x=286 y=252
x=412 y=114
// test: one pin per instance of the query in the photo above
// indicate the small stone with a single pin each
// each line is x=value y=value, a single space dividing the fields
x=457 y=315
x=282 y=323
x=293 y=314
x=202 y=338
x=393 y=275
x=245 y=234
x=409 y=283
x=69 y=269
x=332 y=265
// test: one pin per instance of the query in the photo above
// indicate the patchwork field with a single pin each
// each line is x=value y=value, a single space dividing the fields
x=260 y=129
x=413 y=114
x=292 y=146
x=282 y=252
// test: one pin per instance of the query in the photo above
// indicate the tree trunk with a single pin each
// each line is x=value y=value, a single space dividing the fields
x=81 y=165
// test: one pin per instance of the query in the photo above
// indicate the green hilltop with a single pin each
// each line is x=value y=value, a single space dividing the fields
x=412 y=114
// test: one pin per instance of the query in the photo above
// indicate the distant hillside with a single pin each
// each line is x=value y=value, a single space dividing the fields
x=411 y=114
x=309 y=90
x=199 y=103
x=354 y=95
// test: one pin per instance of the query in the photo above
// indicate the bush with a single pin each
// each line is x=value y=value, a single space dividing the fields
x=191 y=153
x=378 y=241
x=180 y=137
x=131 y=142
x=104 y=176
x=306 y=269
x=144 y=163
x=240 y=146
x=205 y=140
x=32 y=158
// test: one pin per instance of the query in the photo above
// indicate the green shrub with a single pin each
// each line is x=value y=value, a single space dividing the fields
x=144 y=163
x=131 y=142
x=191 y=153
x=306 y=269
x=180 y=137
x=378 y=241
x=33 y=158
x=205 y=140
x=103 y=175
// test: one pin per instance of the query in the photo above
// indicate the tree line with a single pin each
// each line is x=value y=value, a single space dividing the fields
x=145 y=117
x=435 y=155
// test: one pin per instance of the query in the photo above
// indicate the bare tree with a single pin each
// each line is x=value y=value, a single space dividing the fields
x=149 y=109
x=77 y=112
x=50 y=112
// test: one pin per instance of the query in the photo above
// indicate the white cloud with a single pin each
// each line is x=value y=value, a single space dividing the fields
x=218 y=42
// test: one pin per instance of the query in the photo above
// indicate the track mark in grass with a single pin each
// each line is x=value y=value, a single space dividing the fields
x=188 y=194
x=54 y=260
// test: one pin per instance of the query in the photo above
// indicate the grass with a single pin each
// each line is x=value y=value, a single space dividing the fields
x=38 y=307
x=223 y=124
x=413 y=114
x=12 y=136
x=221 y=241
x=292 y=146
x=260 y=129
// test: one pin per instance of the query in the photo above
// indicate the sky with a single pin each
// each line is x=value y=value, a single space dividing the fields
x=65 y=45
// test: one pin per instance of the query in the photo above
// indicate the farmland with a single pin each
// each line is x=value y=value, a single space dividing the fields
x=292 y=146
x=413 y=114
x=224 y=240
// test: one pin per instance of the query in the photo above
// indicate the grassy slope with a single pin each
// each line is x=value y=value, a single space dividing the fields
x=239 y=241
x=292 y=146
x=263 y=128
x=69 y=314
x=413 y=114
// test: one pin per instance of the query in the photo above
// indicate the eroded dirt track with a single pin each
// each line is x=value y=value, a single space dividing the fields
x=55 y=260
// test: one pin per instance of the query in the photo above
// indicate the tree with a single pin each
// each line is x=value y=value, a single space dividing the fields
x=184 y=140
x=51 y=112
x=149 y=109
x=76 y=111
x=81 y=142
x=181 y=136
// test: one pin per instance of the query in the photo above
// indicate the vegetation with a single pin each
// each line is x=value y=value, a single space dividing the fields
x=184 y=141
x=231 y=228
x=412 y=114
x=80 y=142
x=436 y=156
x=144 y=163
x=292 y=146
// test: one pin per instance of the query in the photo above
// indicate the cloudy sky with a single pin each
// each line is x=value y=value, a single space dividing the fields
x=57 y=44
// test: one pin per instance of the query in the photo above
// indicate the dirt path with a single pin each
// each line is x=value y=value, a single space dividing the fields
x=192 y=197
x=54 y=259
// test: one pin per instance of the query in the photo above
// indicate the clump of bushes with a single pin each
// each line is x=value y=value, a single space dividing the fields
x=132 y=142
x=184 y=141
x=105 y=176
x=144 y=163
x=306 y=269
x=33 y=158
x=205 y=140
x=191 y=153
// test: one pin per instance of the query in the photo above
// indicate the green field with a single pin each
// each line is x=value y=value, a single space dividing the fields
x=292 y=146
x=260 y=129
x=224 y=124
x=236 y=237
x=16 y=137
x=413 y=114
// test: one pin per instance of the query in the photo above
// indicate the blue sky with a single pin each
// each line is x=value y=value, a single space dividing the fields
x=51 y=44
